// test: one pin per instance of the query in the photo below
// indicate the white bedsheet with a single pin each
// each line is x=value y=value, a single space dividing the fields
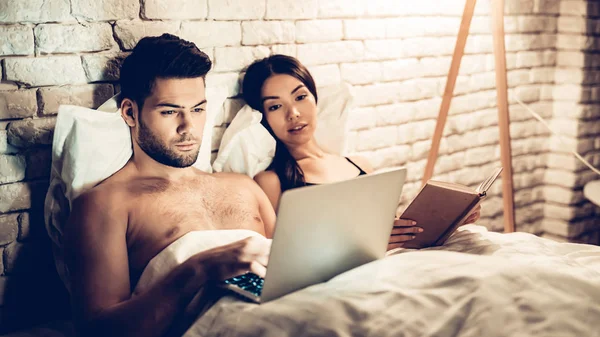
x=479 y=284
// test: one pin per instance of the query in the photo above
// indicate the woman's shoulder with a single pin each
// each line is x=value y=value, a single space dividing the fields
x=267 y=178
x=362 y=162
x=269 y=182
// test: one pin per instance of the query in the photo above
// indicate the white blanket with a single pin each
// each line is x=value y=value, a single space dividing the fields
x=479 y=284
x=182 y=249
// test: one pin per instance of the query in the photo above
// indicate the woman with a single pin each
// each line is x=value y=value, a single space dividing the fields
x=284 y=91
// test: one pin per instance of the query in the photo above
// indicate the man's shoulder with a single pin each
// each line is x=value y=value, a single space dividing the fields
x=99 y=209
x=106 y=195
x=109 y=190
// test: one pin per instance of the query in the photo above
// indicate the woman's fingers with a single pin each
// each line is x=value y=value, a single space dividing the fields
x=404 y=223
x=474 y=216
x=401 y=238
x=406 y=230
x=394 y=246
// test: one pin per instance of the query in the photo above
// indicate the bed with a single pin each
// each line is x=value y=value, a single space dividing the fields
x=479 y=283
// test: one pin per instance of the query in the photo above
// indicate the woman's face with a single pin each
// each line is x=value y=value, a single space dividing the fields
x=289 y=108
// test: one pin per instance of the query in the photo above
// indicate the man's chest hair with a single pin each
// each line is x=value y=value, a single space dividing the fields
x=193 y=200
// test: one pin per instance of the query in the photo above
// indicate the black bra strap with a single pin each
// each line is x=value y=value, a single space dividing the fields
x=358 y=167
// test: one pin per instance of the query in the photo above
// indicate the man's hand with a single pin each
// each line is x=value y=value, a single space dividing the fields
x=474 y=216
x=404 y=230
x=218 y=264
x=248 y=255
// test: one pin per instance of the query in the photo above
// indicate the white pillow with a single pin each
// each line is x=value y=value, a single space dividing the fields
x=89 y=146
x=248 y=148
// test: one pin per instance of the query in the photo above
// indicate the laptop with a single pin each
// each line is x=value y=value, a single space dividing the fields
x=324 y=230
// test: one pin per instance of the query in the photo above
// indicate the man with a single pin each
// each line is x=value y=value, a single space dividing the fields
x=117 y=227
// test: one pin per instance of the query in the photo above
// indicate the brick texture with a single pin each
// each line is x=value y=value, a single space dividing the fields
x=394 y=56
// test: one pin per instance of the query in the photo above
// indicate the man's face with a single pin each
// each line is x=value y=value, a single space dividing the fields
x=171 y=122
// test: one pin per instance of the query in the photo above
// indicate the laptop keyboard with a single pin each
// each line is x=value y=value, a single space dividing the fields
x=249 y=282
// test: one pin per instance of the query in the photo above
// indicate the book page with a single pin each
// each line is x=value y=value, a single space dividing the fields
x=486 y=184
x=452 y=186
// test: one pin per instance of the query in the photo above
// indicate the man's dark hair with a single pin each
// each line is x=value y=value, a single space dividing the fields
x=165 y=56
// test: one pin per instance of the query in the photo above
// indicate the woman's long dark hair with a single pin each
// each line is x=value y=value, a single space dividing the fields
x=284 y=165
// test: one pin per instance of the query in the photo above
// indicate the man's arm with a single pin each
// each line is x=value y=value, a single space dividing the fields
x=97 y=258
x=96 y=254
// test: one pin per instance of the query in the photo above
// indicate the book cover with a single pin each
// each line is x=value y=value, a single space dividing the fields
x=441 y=207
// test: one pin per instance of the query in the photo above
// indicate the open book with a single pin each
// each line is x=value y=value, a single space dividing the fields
x=441 y=207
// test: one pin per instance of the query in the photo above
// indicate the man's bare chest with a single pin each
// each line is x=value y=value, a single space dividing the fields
x=158 y=219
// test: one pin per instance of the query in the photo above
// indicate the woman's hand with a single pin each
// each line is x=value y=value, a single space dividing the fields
x=474 y=216
x=404 y=230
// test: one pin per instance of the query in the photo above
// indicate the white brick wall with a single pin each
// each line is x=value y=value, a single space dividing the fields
x=47 y=11
x=89 y=96
x=211 y=34
x=423 y=26
x=363 y=118
x=394 y=54
x=361 y=73
x=285 y=49
x=267 y=32
x=6 y=148
x=325 y=75
x=12 y=168
x=377 y=94
x=401 y=69
x=229 y=80
x=319 y=30
x=384 y=49
x=567 y=213
x=292 y=9
x=573 y=8
x=57 y=38
x=101 y=66
x=330 y=52
x=236 y=58
x=385 y=8
x=17 y=104
x=129 y=32
x=103 y=10
x=377 y=138
x=52 y=70
x=16 y=40
x=175 y=9
x=341 y=8
x=361 y=29
x=236 y=10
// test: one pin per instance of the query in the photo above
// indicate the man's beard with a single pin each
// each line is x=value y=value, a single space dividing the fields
x=151 y=145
